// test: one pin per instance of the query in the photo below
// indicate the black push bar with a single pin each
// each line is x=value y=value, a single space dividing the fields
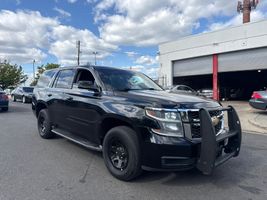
x=211 y=144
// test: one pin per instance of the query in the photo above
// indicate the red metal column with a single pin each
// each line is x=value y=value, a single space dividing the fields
x=215 y=77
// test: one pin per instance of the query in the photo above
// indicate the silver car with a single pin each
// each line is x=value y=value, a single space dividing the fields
x=183 y=89
x=259 y=100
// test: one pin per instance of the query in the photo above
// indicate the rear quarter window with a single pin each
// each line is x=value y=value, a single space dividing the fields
x=45 y=79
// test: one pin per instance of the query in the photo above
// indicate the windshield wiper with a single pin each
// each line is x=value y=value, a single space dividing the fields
x=127 y=89
x=149 y=89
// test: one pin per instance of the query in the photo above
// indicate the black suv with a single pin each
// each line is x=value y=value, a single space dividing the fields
x=133 y=121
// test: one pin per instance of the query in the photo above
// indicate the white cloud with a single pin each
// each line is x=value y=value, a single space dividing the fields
x=91 y=1
x=131 y=54
x=26 y=35
x=23 y=34
x=150 y=22
x=64 y=47
x=62 y=12
x=72 y=1
x=237 y=20
x=146 y=60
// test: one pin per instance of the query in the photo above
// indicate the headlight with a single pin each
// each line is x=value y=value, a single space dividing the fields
x=169 y=121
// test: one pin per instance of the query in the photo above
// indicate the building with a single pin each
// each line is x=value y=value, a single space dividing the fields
x=232 y=61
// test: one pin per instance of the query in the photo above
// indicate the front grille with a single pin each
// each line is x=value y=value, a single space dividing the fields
x=194 y=120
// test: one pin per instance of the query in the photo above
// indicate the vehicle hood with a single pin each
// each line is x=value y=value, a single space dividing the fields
x=168 y=100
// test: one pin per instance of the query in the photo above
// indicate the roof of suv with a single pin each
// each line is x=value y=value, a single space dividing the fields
x=90 y=66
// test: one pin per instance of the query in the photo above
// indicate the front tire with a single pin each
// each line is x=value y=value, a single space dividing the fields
x=44 y=125
x=121 y=152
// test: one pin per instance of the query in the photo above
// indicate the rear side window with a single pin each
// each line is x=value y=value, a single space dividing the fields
x=45 y=79
x=64 y=79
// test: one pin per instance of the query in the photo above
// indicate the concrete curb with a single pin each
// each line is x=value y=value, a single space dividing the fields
x=253 y=132
x=254 y=123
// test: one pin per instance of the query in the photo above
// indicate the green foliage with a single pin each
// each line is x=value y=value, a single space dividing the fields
x=41 y=70
x=11 y=75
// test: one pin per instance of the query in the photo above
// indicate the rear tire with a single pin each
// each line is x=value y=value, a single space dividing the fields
x=44 y=125
x=121 y=152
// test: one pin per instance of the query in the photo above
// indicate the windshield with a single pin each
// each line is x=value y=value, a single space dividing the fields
x=28 y=89
x=123 y=80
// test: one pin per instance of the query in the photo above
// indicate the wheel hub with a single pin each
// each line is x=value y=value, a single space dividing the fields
x=42 y=125
x=118 y=155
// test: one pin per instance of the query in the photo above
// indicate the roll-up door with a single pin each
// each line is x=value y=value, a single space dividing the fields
x=193 y=66
x=243 y=60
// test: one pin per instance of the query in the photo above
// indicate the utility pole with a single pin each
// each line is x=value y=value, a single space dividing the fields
x=78 y=46
x=33 y=70
x=95 y=53
x=246 y=8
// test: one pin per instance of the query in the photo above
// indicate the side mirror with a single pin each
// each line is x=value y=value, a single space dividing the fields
x=89 y=85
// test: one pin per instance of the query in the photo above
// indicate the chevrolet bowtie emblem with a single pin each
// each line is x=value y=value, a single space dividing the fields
x=215 y=120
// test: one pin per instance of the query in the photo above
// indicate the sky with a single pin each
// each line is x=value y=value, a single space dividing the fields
x=124 y=33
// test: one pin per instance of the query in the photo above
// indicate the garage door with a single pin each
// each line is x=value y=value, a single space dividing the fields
x=228 y=62
x=243 y=60
x=193 y=66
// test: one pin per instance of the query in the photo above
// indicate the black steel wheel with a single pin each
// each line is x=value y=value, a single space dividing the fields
x=44 y=125
x=118 y=154
x=121 y=152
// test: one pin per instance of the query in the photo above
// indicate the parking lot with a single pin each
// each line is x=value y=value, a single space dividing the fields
x=32 y=168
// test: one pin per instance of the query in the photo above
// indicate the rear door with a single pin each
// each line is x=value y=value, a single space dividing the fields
x=57 y=94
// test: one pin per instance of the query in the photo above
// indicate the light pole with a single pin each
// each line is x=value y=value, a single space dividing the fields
x=95 y=53
x=33 y=69
x=78 y=45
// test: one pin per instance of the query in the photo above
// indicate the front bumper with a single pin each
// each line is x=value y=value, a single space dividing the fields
x=174 y=154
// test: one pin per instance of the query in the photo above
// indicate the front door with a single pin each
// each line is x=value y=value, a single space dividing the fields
x=83 y=112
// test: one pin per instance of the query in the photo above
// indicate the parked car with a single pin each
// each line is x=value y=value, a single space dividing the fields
x=183 y=89
x=259 y=100
x=133 y=121
x=168 y=88
x=206 y=92
x=22 y=93
x=3 y=100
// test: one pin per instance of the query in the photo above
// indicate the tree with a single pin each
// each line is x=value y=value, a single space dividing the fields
x=41 y=69
x=11 y=75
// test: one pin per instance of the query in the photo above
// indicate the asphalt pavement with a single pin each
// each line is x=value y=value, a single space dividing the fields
x=32 y=168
